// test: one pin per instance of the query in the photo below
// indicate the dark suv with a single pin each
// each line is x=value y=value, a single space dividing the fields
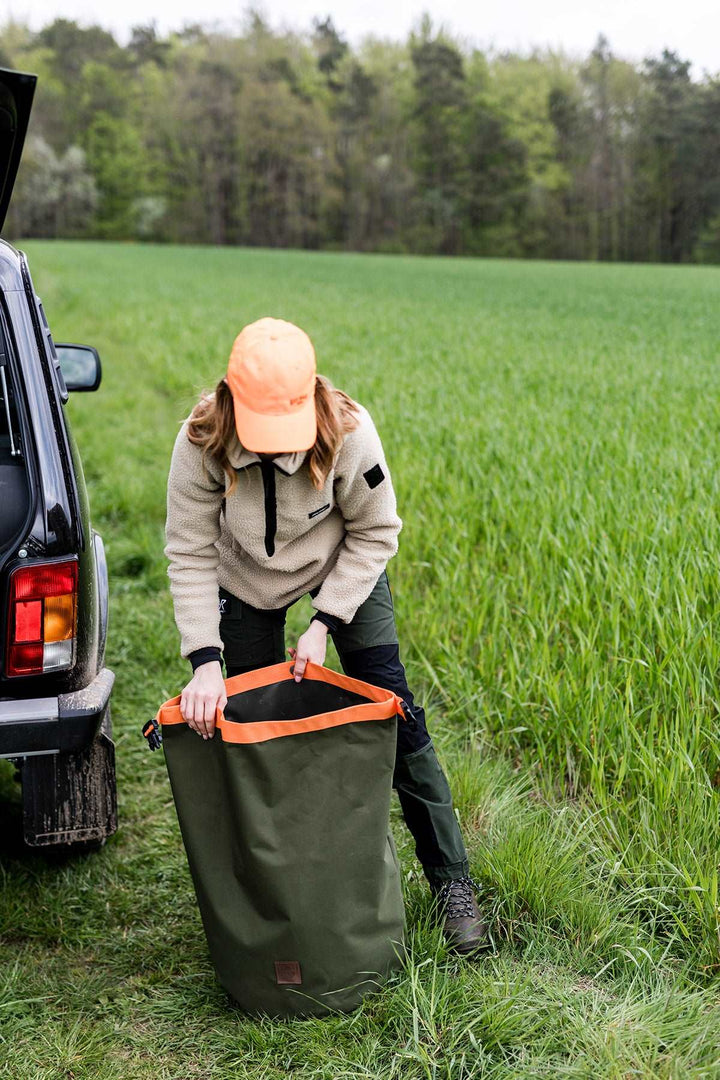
x=54 y=689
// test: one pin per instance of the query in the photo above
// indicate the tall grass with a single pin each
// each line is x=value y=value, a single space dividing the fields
x=551 y=431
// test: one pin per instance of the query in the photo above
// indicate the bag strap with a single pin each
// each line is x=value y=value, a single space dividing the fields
x=383 y=706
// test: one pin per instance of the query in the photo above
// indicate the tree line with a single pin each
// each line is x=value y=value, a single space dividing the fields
x=296 y=139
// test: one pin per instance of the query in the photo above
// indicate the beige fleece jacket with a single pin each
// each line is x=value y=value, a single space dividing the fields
x=340 y=538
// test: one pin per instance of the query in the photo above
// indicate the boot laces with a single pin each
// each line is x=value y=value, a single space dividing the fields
x=457 y=897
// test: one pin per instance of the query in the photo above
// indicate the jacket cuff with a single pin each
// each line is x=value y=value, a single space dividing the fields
x=331 y=621
x=204 y=656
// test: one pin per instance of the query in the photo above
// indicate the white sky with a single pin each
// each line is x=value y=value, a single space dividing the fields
x=635 y=28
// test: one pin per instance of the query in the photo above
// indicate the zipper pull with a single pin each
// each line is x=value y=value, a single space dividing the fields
x=410 y=717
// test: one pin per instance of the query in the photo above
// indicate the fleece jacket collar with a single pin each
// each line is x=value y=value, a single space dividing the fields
x=240 y=458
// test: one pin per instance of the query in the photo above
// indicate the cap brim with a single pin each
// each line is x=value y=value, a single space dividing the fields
x=263 y=434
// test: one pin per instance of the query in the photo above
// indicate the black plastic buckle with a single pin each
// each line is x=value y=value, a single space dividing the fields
x=410 y=716
x=151 y=731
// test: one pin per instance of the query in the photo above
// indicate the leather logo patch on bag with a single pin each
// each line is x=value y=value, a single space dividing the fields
x=288 y=972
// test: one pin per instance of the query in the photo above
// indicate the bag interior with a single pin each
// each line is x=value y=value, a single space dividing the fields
x=289 y=700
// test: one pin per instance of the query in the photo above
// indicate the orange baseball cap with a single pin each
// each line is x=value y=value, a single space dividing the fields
x=271 y=373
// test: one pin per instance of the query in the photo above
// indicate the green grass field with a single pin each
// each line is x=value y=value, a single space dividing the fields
x=552 y=430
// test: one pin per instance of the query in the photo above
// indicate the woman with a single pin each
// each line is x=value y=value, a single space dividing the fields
x=278 y=487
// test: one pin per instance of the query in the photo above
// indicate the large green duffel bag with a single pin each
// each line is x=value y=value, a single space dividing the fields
x=284 y=815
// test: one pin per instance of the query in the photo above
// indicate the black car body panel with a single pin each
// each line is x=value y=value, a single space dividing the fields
x=16 y=96
x=58 y=519
x=55 y=723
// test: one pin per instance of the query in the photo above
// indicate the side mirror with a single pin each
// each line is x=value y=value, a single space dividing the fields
x=80 y=366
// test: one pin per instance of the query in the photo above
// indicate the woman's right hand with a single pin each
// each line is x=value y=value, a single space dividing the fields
x=202 y=696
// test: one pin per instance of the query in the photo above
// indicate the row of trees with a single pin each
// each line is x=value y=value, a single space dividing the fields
x=291 y=139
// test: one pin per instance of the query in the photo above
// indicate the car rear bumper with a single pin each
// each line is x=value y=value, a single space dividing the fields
x=51 y=725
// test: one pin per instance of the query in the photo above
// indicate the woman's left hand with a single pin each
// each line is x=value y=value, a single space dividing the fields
x=311 y=646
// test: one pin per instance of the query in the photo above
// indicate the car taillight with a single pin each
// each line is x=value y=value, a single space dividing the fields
x=42 y=617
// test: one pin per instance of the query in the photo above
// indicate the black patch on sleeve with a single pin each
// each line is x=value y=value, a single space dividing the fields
x=374 y=476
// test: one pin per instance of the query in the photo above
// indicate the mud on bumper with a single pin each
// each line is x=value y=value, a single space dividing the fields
x=53 y=725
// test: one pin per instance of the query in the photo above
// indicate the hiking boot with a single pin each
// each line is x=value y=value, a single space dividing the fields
x=464 y=928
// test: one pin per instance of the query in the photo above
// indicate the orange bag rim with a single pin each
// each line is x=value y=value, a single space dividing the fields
x=383 y=705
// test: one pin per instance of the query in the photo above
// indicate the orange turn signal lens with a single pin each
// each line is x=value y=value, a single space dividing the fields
x=59 y=617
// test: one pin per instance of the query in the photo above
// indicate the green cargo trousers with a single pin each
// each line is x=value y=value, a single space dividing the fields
x=368 y=649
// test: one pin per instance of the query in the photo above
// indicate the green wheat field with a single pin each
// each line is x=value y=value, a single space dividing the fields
x=552 y=431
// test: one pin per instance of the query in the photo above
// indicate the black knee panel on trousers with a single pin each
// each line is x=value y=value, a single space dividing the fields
x=381 y=666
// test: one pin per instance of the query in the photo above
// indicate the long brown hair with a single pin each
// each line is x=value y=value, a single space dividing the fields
x=212 y=427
